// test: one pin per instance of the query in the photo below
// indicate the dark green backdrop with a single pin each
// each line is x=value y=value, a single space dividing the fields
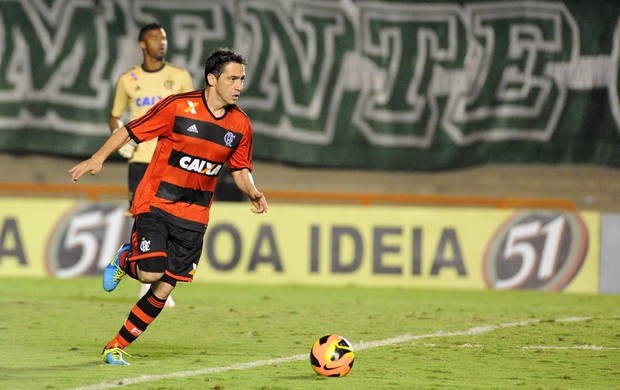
x=368 y=85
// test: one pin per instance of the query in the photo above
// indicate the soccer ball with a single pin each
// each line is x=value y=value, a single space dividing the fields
x=332 y=355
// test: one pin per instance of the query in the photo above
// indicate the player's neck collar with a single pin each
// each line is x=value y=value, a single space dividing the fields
x=143 y=66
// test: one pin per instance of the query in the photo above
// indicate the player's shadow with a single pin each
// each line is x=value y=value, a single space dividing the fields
x=299 y=377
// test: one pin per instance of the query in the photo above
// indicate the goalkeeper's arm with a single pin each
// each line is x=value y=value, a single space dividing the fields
x=126 y=150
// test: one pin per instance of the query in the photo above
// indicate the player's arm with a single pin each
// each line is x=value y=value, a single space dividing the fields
x=245 y=181
x=129 y=148
x=114 y=122
x=95 y=163
x=121 y=100
x=119 y=105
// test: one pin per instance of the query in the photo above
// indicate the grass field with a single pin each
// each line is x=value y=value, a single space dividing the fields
x=258 y=337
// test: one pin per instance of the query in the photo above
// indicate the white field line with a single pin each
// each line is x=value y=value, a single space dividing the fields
x=557 y=347
x=356 y=347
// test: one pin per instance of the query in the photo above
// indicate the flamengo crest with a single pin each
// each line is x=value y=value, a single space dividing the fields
x=229 y=138
x=145 y=245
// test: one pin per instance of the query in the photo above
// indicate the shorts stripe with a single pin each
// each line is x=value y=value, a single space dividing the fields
x=179 y=277
x=148 y=255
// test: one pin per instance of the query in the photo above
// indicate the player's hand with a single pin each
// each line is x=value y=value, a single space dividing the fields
x=128 y=149
x=91 y=165
x=259 y=202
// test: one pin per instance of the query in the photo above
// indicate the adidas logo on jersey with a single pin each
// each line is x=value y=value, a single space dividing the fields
x=192 y=129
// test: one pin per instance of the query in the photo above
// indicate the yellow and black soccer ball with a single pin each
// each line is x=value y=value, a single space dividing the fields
x=332 y=355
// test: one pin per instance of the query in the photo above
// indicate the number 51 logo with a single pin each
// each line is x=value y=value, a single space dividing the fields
x=536 y=251
x=86 y=239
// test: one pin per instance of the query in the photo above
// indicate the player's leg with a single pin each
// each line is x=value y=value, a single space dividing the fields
x=144 y=287
x=115 y=271
x=140 y=317
x=126 y=259
x=184 y=252
x=163 y=249
x=136 y=171
x=149 y=243
x=146 y=262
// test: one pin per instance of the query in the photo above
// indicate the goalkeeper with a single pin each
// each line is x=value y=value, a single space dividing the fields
x=139 y=88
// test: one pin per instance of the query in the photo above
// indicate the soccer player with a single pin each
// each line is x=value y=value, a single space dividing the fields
x=197 y=132
x=140 y=88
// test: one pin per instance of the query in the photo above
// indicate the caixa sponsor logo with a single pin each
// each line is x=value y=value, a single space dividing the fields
x=536 y=251
x=86 y=238
x=203 y=167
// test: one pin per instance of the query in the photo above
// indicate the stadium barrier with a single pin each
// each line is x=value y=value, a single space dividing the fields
x=66 y=230
x=326 y=244
x=98 y=192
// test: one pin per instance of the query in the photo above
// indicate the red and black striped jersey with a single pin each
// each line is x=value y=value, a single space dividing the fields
x=192 y=145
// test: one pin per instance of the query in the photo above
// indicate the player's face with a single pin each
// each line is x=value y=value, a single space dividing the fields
x=155 y=44
x=230 y=83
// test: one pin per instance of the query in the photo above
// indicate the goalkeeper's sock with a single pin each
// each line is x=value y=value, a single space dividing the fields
x=141 y=315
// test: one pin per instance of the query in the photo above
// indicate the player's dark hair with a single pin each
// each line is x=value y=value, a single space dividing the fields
x=147 y=28
x=219 y=58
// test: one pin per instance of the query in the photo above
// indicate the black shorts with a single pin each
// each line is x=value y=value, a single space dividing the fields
x=160 y=246
x=135 y=173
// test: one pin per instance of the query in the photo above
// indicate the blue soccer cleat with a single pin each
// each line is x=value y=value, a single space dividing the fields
x=113 y=273
x=114 y=355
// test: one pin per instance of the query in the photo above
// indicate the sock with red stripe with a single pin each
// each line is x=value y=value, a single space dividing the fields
x=141 y=315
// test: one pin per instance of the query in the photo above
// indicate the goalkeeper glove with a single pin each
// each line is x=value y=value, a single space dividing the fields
x=128 y=149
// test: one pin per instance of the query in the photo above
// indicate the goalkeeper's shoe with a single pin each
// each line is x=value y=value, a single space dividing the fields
x=114 y=355
x=113 y=273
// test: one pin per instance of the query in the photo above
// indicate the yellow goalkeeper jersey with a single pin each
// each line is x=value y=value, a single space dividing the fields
x=140 y=90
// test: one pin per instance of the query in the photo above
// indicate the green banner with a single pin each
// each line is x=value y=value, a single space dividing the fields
x=361 y=84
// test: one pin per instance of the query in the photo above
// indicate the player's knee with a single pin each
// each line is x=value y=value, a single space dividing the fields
x=152 y=269
x=149 y=277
